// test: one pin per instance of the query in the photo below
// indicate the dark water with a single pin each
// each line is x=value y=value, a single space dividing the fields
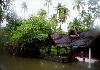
x=8 y=62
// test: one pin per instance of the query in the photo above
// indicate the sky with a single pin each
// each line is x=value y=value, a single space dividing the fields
x=33 y=7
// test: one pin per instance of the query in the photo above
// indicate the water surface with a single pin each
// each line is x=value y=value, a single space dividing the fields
x=9 y=62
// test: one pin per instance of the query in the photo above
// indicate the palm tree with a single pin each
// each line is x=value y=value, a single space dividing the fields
x=4 y=4
x=87 y=19
x=63 y=13
x=78 y=4
x=94 y=6
x=48 y=3
x=42 y=13
x=24 y=7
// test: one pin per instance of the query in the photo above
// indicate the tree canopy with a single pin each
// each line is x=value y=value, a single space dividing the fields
x=36 y=27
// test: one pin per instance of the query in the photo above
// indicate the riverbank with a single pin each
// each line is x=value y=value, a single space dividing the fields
x=9 y=62
x=60 y=59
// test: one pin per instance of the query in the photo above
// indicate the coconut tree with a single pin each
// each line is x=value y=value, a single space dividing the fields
x=78 y=4
x=88 y=19
x=4 y=4
x=24 y=7
x=63 y=13
x=47 y=4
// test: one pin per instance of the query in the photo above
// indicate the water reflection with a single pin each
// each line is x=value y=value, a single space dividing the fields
x=8 y=62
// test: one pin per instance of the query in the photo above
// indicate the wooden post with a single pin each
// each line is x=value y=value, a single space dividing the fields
x=89 y=58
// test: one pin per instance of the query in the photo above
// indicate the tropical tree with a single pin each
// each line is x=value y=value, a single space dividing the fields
x=89 y=20
x=42 y=13
x=48 y=3
x=62 y=12
x=32 y=29
x=78 y=4
x=4 y=6
x=77 y=25
x=24 y=7
x=83 y=23
x=93 y=5
x=13 y=21
x=53 y=23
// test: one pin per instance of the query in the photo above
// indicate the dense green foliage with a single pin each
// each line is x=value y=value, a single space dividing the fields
x=76 y=25
x=4 y=6
x=83 y=22
x=35 y=28
x=2 y=37
x=38 y=27
x=30 y=33
x=63 y=12
x=13 y=21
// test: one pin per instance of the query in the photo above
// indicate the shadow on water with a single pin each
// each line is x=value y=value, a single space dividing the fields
x=9 y=62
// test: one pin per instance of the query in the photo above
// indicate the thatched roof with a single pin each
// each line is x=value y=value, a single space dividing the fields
x=93 y=40
x=61 y=40
x=84 y=40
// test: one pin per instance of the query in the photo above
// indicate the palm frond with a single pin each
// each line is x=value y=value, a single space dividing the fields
x=74 y=7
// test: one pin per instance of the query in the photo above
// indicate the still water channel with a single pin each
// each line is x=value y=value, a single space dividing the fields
x=9 y=62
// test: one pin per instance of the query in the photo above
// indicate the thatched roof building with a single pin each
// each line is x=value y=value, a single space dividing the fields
x=85 y=39
x=88 y=41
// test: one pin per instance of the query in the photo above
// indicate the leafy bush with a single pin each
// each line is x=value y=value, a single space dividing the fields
x=35 y=28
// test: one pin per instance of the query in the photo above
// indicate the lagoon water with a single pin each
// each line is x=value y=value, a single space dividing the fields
x=9 y=62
